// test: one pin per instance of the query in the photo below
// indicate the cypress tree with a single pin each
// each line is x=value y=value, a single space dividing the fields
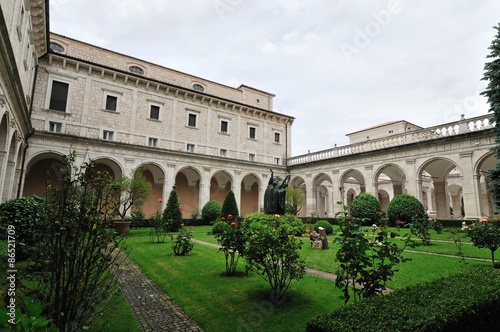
x=492 y=92
x=172 y=215
x=229 y=206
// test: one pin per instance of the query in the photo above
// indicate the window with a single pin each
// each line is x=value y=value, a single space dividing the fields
x=136 y=70
x=276 y=161
x=111 y=102
x=223 y=126
x=153 y=142
x=154 y=112
x=251 y=132
x=55 y=127
x=56 y=47
x=251 y=156
x=198 y=87
x=191 y=120
x=107 y=135
x=59 y=96
x=276 y=137
x=391 y=131
x=223 y=153
x=190 y=147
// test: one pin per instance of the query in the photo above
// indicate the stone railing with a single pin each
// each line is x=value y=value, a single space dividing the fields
x=448 y=129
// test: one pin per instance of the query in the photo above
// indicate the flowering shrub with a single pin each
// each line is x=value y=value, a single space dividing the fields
x=486 y=234
x=182 y=244
x=232 y=241
x=273 y=251
x=367 y=263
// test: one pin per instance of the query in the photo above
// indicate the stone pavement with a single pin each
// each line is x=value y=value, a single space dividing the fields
x=152 y=308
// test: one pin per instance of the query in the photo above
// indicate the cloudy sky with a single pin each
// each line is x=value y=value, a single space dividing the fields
x=337 y=66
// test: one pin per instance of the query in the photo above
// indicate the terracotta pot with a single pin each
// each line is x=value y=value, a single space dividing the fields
x=121 y=227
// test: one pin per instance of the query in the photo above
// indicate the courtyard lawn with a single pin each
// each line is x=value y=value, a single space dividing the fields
x=221 y=303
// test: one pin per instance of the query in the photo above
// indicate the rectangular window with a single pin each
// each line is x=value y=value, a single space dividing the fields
x=55 y=127
x=154 y=112
x=223 y=126
x=251 y=132
x=276 y=161
x=251 y=157
x=59 y=96
x=276 y=137
x=190 y=147
x=191 y=120
x=111 y=102
x=153 y=142
x=223 y=152
x=107 y=135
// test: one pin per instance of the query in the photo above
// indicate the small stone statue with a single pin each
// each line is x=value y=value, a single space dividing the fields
x=274 y=197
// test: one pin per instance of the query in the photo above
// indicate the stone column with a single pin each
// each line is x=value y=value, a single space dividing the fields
x=204 y=195
x=442 y=207
x=470 y=187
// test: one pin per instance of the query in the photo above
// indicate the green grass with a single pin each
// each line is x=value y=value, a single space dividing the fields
x=221 y=303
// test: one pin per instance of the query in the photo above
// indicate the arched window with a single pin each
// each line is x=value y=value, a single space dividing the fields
x=198 y=87
x=136 y=70
x=56 y=47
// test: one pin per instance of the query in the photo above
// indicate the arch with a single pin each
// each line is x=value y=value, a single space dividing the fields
x=187 y=185
x=323 y=195
x=221 y=183
x=250 y=198
x=41 y=169
x=390 y=179
x=436 y=175
x=111 y=165
x=482 y=178
x=352 y=183
x=155 y=175
x=298 y=182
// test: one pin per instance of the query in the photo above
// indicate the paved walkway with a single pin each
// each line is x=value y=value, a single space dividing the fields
x=152 y=308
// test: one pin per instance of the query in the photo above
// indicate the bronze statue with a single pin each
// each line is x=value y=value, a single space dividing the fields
x=274 y=197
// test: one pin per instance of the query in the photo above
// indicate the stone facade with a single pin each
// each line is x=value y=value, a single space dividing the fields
x=205 y=138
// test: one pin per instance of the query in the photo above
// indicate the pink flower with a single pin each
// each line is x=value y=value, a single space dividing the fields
x=160 y=200
x=233 y=224
x=181 y=208
x=222 y=218
x=230 y=216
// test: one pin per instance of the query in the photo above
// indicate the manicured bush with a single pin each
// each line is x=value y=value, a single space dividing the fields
x=405 y=208
x=230 y=207
x=469 y=301
x=367 y=208
x=26 y=215
x=172 y=215
x=182 y=244
x=219 y=227
x=211 y=211
x=325 y=224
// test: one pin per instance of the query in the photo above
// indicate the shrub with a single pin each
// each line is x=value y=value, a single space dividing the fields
x=232 y=241
x=211 y=211
x=182 y=244
x=26 y=215
x=366 y=207
x=325 y=224
x=272 y=251
x=471 y=299
x=405 y=208
x=486 y=234
x=230 y=207
x=219 y=227
x=172 y=215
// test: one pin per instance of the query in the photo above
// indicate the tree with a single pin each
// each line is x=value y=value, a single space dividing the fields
x=172 y=215
x=211 y=212
x=486 y=234
x=492 y=92
x=130 y=191
x=405 y=208
x=230 y=207
x=293 y=200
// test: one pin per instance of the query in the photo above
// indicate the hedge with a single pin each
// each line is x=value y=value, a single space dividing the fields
x=469 y=301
